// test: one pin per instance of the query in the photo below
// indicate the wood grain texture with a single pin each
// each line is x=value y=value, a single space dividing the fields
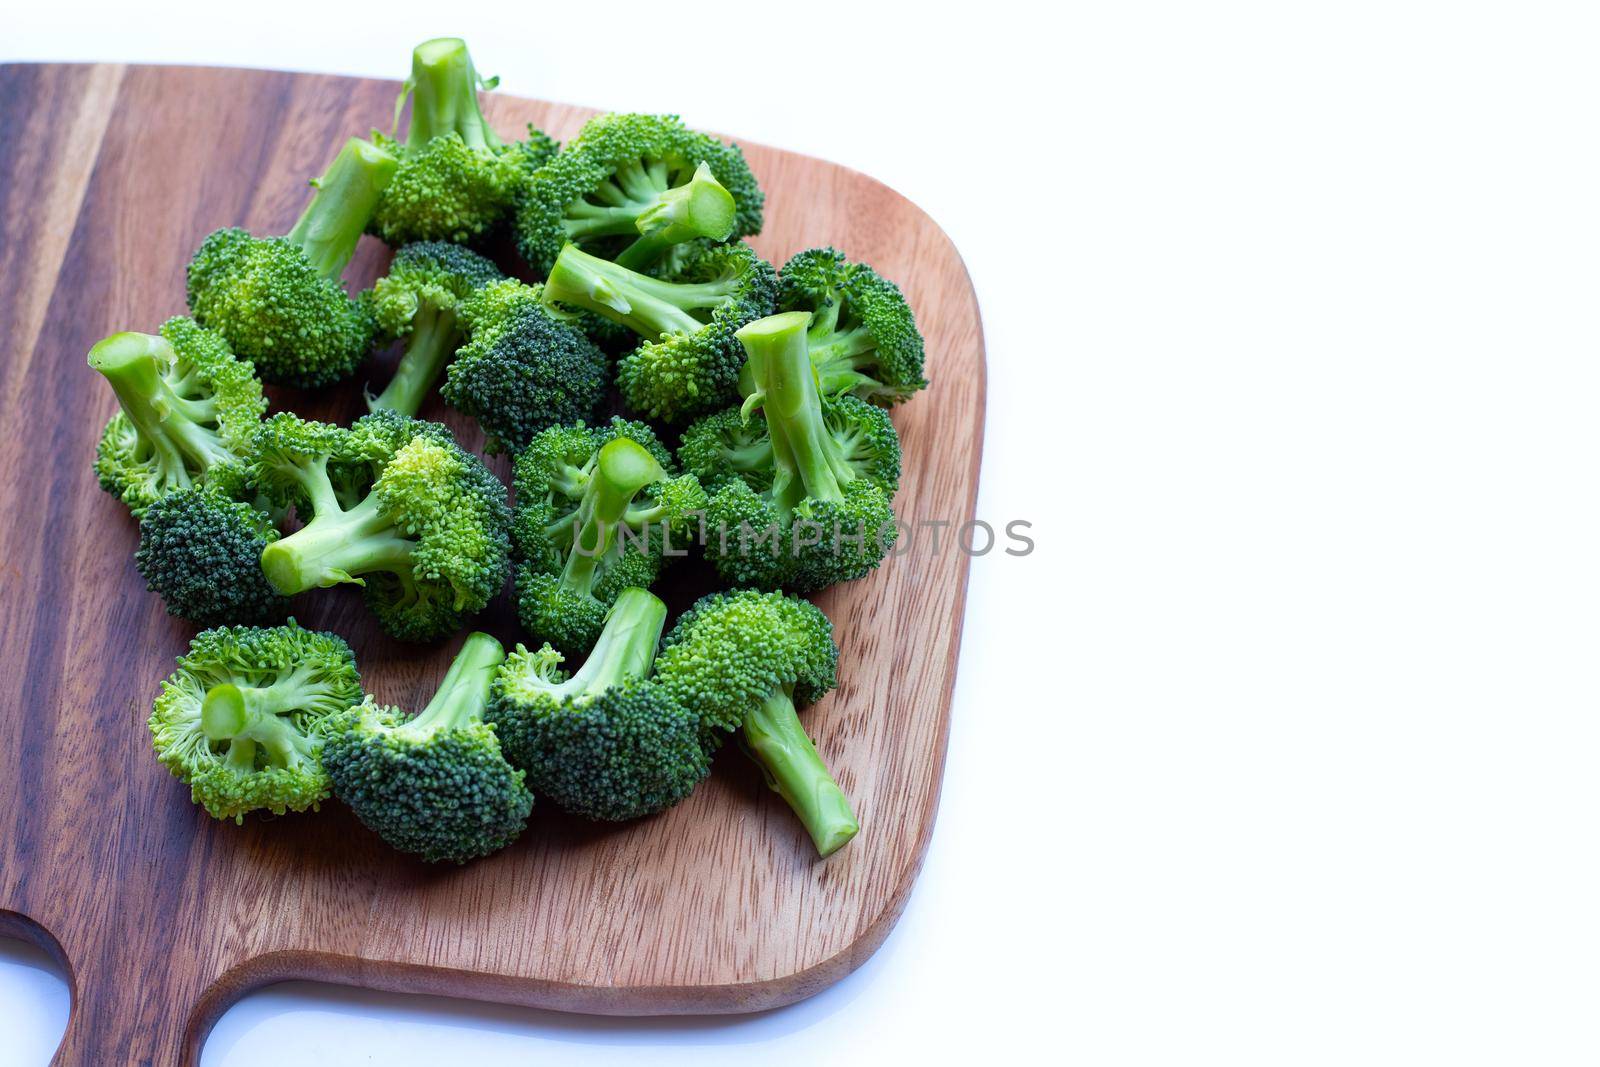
x=161 y=916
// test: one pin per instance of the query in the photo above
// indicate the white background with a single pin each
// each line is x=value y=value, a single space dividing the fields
x=1281 y=749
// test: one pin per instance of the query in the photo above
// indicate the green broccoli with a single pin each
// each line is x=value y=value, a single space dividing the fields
x=457 y=179
x=607 y=743
x=395 y=506
x=800 y=493
x=188 y=407
x=598 y=510
x=688 y=361
x=419 y=299
x=523 y=367
x=279 y=300
x=435 y=785
x=244 y=718
x=743 y=660
x=632 y=187
x=200 y=549
x=863 y=337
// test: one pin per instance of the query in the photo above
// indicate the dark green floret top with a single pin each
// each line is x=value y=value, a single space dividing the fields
x=244 y=719
x=187 y=408
x=395 y=505
x=743 y=661
x=200 y=550
x=524 y=367
x=607 y=743
x=279 y=301
x=639 y=189
x=435 y=785
x=457 y=180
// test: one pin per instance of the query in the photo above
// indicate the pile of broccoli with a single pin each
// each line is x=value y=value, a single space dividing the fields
x=661 y=391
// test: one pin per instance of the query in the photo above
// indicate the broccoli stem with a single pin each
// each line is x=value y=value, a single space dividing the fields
x=433 y=340
x=340 y=209
x=168 y=423
x=648 y=306
x=807 y=461
x=776 y=740
x=700 y=207
x=464 y=693
x=444 y=96
x=626 y=647
x=623 y=468
x=840 y=355
x=248 y=718
x=336 y=546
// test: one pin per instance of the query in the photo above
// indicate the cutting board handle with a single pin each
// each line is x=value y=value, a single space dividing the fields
x=128 y=1015
x=126 y=1009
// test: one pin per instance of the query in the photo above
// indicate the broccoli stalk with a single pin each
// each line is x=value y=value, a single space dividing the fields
x=249 y=717
x=638 y=200
x=337 y=544
x=841 y=355
x=776 y=740
x=648 y=306
x=435 y=335
x=346 y=196
x=444 y=96
x=178 y=430
x=807 y=459
x=626 y=647
x=462 y=695
x=623 y=468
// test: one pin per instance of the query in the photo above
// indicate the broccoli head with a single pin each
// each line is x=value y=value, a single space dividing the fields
x=279 y=300
x=863 y=337
x=607 y=743
x=243 y=720
x=457 y=179
x=395 y=506
x=635 y=188
x=188 y=408
x=419 y=299
x=200 y=550
x=523 y=368
x=435 y=785
x=688 y=360
x=598 y=510
x=800 y=485
x=743 y=660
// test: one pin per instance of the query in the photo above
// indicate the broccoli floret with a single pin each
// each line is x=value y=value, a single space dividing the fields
x=188 y=408
x=457 y=179
x=598 y=510
x=200 y=550
x=634 y=188
x=279 y=300
x=419 y=299
x=801 y=485
x=743 y=660
x=863 y=337
x=607 y=743
x=244 y=718
x=435 y=785
x=523 y=368
x=427 y=536
x=688 y=362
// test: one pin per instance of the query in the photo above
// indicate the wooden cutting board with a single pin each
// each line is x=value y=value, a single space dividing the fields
x=162 y=917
